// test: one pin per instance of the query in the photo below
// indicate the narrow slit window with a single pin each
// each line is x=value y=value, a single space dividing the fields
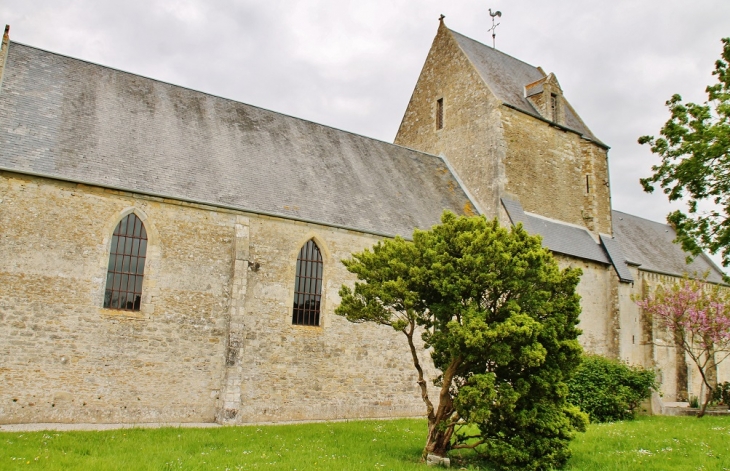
x=308 y=286
x=440 y=113
x=554 y=106
x=126 y=265
x=588 y=184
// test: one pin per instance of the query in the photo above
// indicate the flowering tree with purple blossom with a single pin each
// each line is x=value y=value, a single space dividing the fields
x=699 y=317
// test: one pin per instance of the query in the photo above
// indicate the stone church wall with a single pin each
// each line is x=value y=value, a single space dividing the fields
x=546 y=169
x=644 y=342
x=63 y=357
x=337 y=370
x=598 y=317
x=216 y=282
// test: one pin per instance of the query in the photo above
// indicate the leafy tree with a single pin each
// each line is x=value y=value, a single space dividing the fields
x=609 y=390
x=499 y=318
x=699 y=317
x=695 y=152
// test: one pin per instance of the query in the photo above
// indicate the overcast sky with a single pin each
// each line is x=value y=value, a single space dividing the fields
x=353 y=64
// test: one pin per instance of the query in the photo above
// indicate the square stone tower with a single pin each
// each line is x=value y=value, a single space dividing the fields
x=508 y=132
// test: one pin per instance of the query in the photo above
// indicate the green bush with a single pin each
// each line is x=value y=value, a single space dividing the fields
x=721 y=394
x=609 y=390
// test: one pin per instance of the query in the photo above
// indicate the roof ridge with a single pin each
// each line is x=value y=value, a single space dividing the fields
x=227 y=99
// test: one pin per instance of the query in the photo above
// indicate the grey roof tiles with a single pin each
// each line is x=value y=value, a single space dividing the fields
x=618 y=259
x=507 y=77
x=557 y=236
x=73 y=120
x=650 y=245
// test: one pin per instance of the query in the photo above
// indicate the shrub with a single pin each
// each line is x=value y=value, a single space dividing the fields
x=721 y=394
x=609 y=390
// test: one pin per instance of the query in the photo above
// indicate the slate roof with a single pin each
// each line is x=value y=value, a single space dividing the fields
x=618 y=259
x=649 y=244
x=73 y=120
x=507 y=77
x=559 y=237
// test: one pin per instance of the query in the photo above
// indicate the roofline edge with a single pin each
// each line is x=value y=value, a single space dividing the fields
x=205 y=203
x=463 y=187
x=559 y=126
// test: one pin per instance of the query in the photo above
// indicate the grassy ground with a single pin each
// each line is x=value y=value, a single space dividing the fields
x=655 y=443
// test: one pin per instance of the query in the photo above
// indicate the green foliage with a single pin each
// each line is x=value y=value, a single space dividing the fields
x=721 y=394
x=609 y=390
x=695 y=152
x=500 y=319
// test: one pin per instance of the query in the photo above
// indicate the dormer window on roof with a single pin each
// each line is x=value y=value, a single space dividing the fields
x=545 y=95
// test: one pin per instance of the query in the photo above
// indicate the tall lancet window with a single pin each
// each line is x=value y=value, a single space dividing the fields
x=308 y=286
x=126 y=265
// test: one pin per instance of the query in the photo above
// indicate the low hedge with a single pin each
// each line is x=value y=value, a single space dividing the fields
x=609 y=390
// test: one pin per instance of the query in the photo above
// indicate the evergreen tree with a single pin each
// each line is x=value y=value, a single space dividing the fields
x=499 y=318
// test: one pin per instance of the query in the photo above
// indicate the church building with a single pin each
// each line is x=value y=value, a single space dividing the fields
x=167 y=255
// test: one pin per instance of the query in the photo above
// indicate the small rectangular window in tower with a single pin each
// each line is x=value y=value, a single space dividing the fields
x=554 y=106
x=588 y=184
x=440 y=113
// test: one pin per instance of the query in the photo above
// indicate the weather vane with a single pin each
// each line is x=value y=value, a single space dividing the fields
x=493 y=29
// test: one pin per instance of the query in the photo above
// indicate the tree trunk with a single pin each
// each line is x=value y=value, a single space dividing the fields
x=439 y=440
x=706 y=400
x=441 y=423
x=711 y=372
x=709 y=377
x=682 y=378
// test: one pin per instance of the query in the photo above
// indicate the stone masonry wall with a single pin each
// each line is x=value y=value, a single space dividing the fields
x=498 y=151
x=333 y=371
x=647 y=343
x=471 y=138
x=546 y=168
x=598 y=317
x=213 y=339
x=63 y=358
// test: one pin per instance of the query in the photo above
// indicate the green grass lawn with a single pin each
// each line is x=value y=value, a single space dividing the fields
x=650 y=443
x=655 y=444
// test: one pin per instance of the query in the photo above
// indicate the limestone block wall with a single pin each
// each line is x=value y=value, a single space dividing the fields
x=471 y=138
x=636 y=346
x=63 y=358
x=336 y=370
x=599 y=313
x=214 y=338
x=645 y=342
x=546 y=168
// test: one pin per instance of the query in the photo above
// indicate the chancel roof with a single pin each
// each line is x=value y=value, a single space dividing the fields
x=559 y=237
x=68 y=119
x=650 y=245
x=507 y=78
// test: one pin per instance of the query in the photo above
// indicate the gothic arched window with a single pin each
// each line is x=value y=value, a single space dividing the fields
x=126 y=265
x=308 y=285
